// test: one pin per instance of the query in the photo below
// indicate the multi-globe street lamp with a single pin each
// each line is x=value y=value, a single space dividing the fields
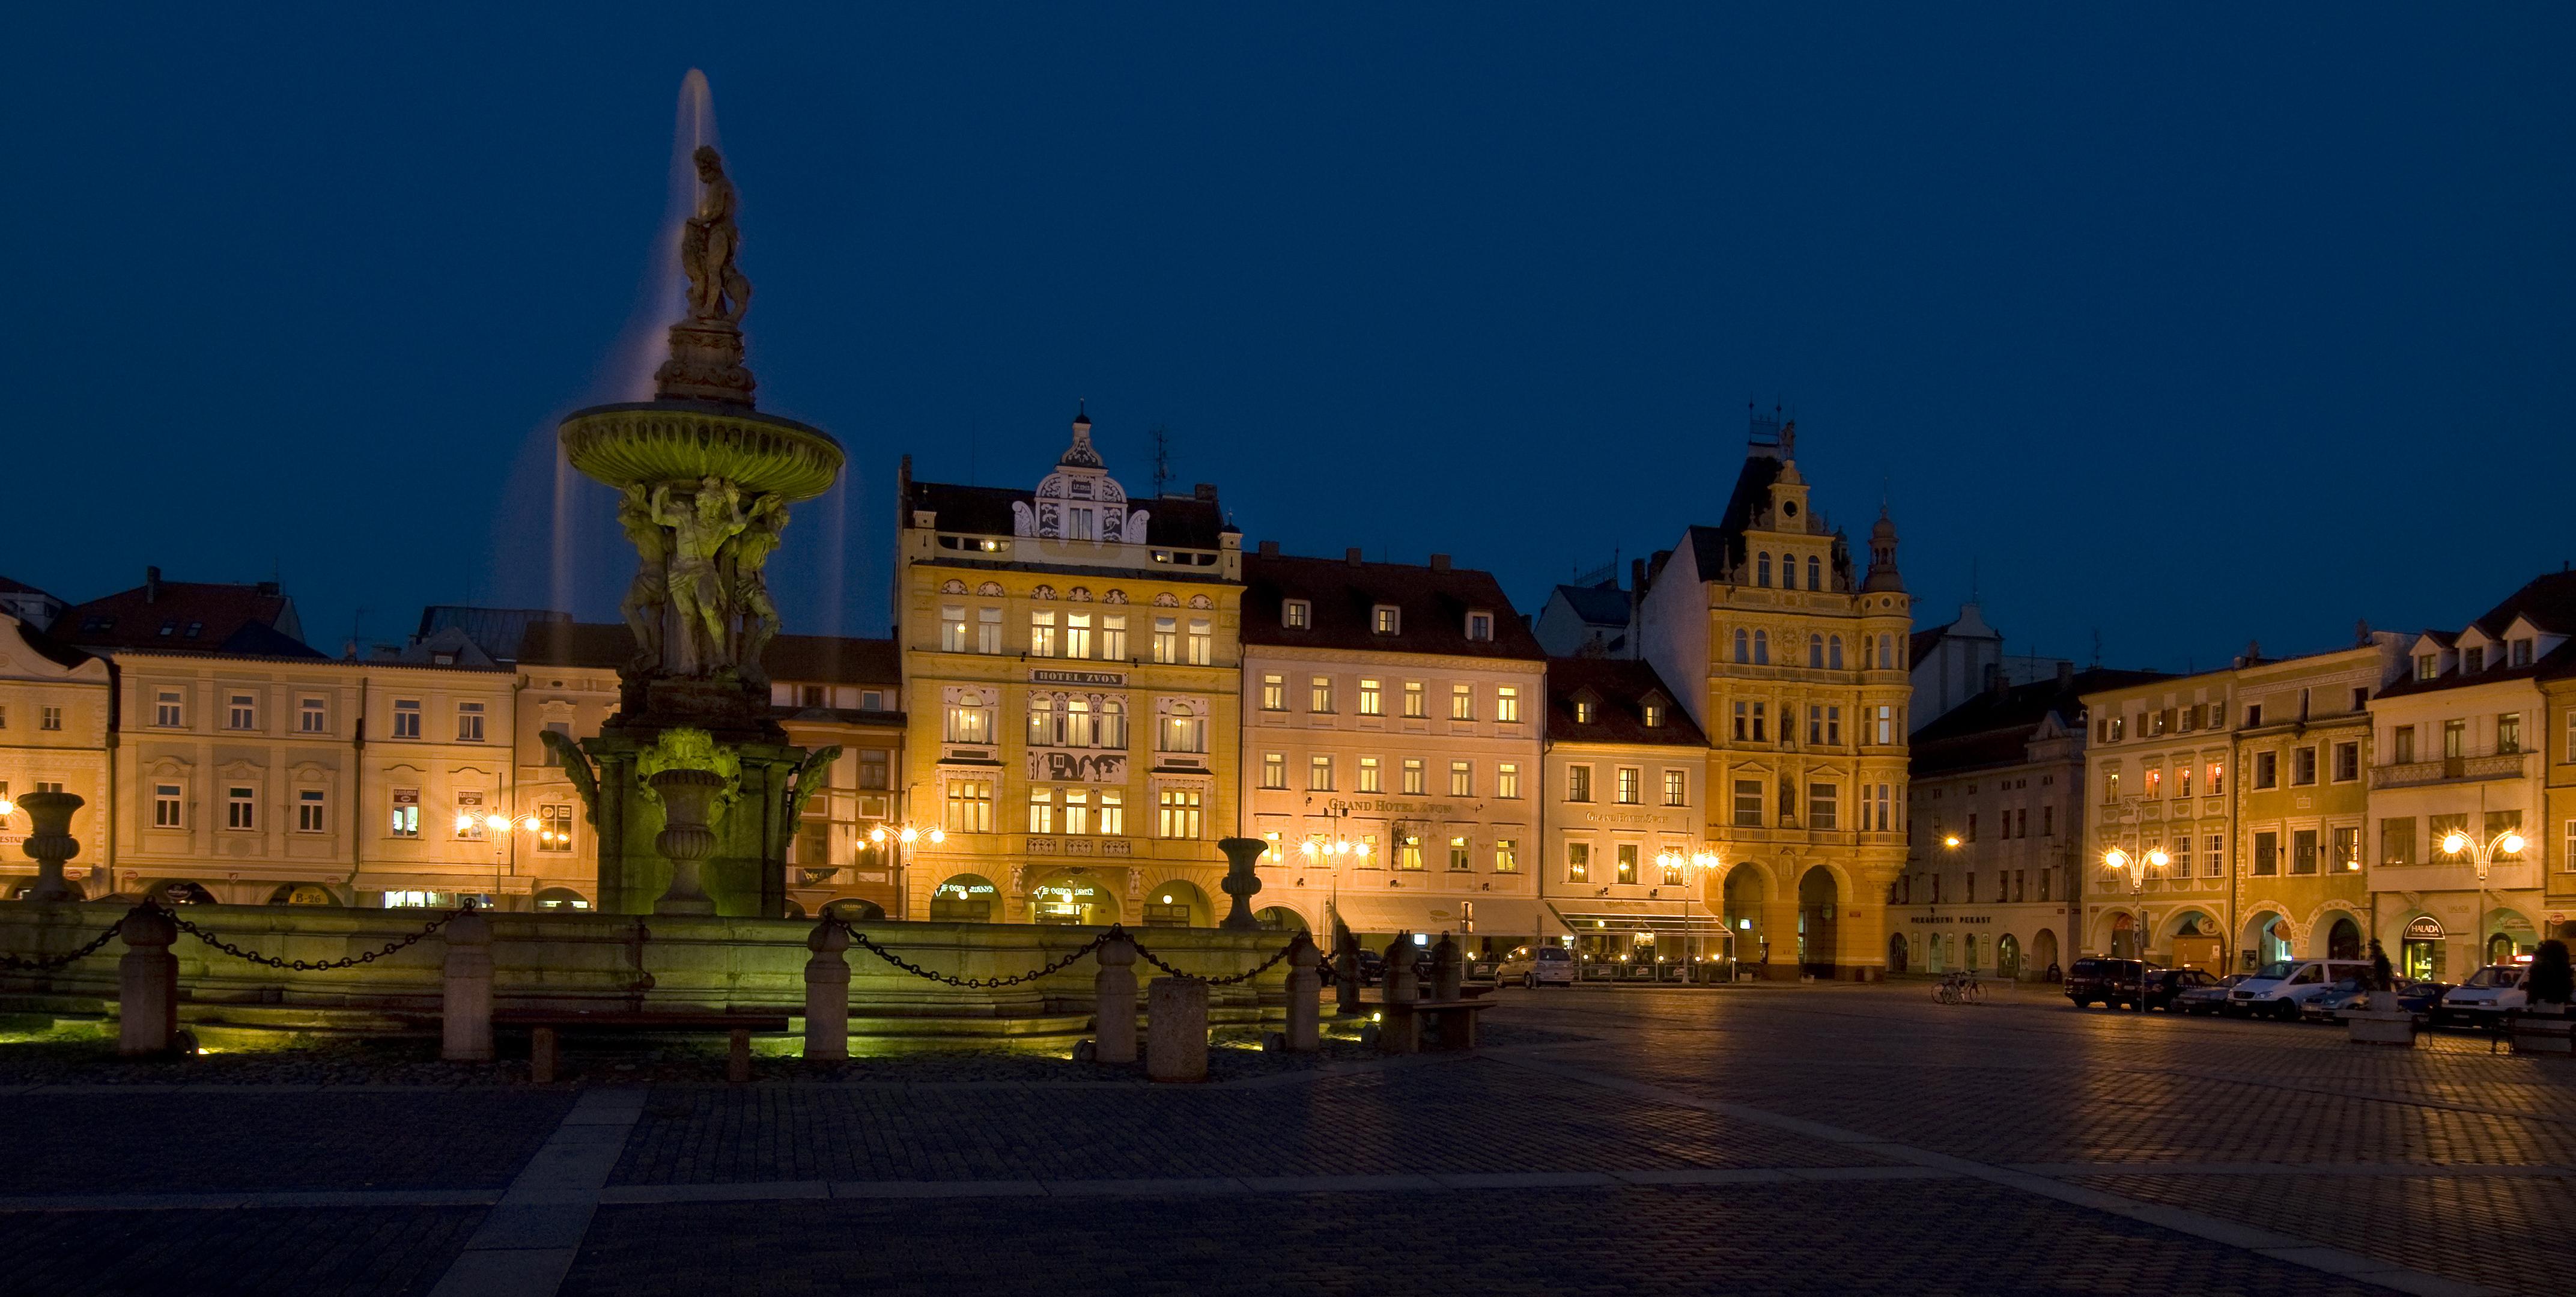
x=903 y=836
x=2482 y=857
x=2134 y=866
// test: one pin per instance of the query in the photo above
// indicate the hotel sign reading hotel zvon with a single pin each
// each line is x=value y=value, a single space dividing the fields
x=1108 y=679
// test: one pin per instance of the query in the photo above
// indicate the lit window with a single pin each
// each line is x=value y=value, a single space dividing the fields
x=1319 y=694
x=1042 y=810
x=1631 y=785
x=1462 y=779
x=1370 y=779
x=1462 y=702
x=1274 y=693
x=554 y=827
x=1626 y=859
x=1676 y=788
x=1654 y=715
x=1042 y=634
x=1296 y=614
x=988 y=630
x=1113 y=636
x=1583 y=711
x=1077 y=811
x=1386 y=619
x=1507 y=703
x=1458 y=854
x=1181 y=732
x=1413 y=699
x=1202 y=642
x=969 y=724
x=970 y=806
x=1371 y=698
x=1507 y=779
x=1414 y=782
x=1178 y=813
x=1077 y=634
x=406 y=813
x=952 y=628
x=1319 y=774
x=1578 y=862
x=1274 y=769
x=1113 y=813
x=1507 y=854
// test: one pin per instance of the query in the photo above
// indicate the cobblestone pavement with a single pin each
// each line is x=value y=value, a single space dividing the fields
x=1792 y=1139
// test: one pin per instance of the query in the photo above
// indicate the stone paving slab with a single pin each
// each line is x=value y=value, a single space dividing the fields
x=1970 y=1238
x=254 y=1252
x=435 y=1139
x=1418 y=1120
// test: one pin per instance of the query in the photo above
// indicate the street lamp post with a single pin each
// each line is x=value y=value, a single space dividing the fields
x=2122 y=862
x=1700 y=859
x=2481 y=859
x=904 y=835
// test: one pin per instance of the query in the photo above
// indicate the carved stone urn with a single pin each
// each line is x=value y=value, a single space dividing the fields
x=688 y=797
x=1241 y=882
x=51 y=843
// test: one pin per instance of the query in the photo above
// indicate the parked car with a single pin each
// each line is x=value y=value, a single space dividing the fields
x=2110 y=982
x=2281 y=989
x=2206 y=997
x=2489 y=994
x=1372 y=966
x=2163 y=988
x=1542 y=966
x=2418 y=998
x=1484 y=970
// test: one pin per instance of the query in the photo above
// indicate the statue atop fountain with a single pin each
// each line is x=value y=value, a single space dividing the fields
x=704 y=481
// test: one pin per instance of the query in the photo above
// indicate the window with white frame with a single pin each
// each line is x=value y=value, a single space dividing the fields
x=1077 y=634
x=311 y=811
x=1372 y=697
x=469 y=722
x=166 y=807
x=1676 y=788
x=1113 y=813
x=1178 y=813
x=1414 y=704
x=1480 y=626
x=405 y=821
x=1113 y=636
x=1042 y=641
x=1296 y=614
x=1042 y=810
x=1507 y=703
x=241 y=808
x=1319 y=693
x=1372 y=780
x=49 y=717
x=1167 y=639
x=1274 y=692
x=1462 y=779
x=1202 y=642
x=969 y=723
x=169 y=714
x=988 y=630
x=1274 y=770
x=1414 y=781
x=406 y=718
x=1507 y=780
x=1181 y=733
x=1077 y=811
x=1386 y=619
x=952 y=628
x=1462 y=702
x=310 y=716
x=241 y=713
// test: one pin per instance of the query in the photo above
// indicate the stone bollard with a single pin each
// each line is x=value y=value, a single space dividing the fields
x=465 y=1005
x=51 y=843
x=1113 y=991
x=827 y=994
x=1402 y=986
x=1176 y=1020
x=1446 y=968
x=1346 y=972
x=147 y=985
x=1305 y=1033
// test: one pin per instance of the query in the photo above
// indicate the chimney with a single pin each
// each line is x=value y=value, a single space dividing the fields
x=151 y=584
x=1352 y=556
x=268 y=587
x=1439 y=562
x=1204 y=491
x=1270 y=549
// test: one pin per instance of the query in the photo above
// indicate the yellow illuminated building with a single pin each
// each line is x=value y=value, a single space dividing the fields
x=1071 y=679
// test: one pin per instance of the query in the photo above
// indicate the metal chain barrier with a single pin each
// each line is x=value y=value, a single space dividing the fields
x=20 y=964
x=1245 y=976
x=860 y=939
x=312 y=965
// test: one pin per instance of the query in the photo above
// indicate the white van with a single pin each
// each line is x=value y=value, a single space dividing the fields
x=2490 y=993
x=1545 y=965
x=2282 y=988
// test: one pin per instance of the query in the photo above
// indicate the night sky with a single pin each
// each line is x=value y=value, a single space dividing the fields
x=2182 y=327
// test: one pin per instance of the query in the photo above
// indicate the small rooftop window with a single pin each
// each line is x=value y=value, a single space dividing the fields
x=1296 y=614
x=1387 y=619
x=1480 y=626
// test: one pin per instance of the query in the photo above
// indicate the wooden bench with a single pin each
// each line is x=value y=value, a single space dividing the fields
x=2543 y=1033
x=1437 y=1025
x=545 y=1027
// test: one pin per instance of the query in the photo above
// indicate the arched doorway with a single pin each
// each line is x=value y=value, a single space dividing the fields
x=965 y=898
x=2509 y=936
x=1895 y=952
x=854 y=909
x=1279 y=918
x=2269 y=937
x=1176 y=904
x=2195 y=943
x=1969 y=964
x=2043 y=951
x=2124 y=937
x=561 y=898
x=2343 y=940
x=2008 y=958
x=1742 y=906
x=2499 y=948
x=1933 y=959
x=2419 y=951
x=179 y=891
x=1818 y=902
x=302 y=894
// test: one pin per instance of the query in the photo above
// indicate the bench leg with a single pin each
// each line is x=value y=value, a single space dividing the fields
x=738 y=1056
x=541 y=1055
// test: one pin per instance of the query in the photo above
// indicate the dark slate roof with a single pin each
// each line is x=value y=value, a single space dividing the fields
x=496 y=631
x=833 y=659
x=792 y=659
x=240 y=620
x=1618 y=689
x=1598 y=605
x=1994 y=728
x=8 y=586
x=576 y=644
x=1180 y=521
x=1434 y=603
x=1922 y=641
x=2549 y=601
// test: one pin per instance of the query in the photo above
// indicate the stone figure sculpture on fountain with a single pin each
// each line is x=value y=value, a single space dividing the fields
x=650 y=592
x=706 y=348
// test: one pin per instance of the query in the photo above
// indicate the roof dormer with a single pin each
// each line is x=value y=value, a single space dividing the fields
x=1079 y=502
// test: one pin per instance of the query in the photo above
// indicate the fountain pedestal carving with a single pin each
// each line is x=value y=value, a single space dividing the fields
x=704 y=482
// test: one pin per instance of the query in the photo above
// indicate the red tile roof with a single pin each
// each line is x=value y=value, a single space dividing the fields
x=1618 y=689
x=189 y=617
x=1342 y=596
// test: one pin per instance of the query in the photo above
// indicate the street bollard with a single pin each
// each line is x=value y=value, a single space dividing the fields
x=147 y=985
x=465 y=1004
x=1113 y=992
x=1402 y=986
x=1305 y=1033
x=827 y=994
x=1446 y=967
x=1176 y=1017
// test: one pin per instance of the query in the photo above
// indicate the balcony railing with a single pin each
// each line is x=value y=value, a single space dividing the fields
x=2499 y=765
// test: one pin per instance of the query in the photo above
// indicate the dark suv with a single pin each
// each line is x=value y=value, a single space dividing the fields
x=2111 y=982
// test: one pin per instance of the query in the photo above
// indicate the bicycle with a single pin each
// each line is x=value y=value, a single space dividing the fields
x=1959 y=988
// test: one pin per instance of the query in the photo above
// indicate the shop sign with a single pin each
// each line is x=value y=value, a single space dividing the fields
x=2424 y=928
x=1111 y=679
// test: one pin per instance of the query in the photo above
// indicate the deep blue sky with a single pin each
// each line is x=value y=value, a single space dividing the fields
x=2189 y=326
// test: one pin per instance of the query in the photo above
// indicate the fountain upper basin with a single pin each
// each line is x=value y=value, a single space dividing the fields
x=643 y=443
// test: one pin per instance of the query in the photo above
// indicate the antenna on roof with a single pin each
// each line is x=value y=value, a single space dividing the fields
x=2097 y=646
x=1162 y=438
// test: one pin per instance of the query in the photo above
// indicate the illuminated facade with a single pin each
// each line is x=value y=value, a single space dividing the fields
x=54 y=710
x=2303 y=751
x=1391 y=720
x=1627 y=865
x=2160 y=777
x=1071 y=672
x=1793 y=664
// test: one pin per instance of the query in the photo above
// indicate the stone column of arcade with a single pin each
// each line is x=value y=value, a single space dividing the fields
x=694 y=788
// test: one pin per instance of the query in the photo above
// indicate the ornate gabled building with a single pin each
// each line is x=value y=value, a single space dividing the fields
x=1793 y=663
x=1071 y=672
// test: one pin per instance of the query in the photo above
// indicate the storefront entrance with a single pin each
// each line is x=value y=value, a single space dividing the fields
x=2420 y=953
x=1818 y=902
x=1072 y=897
x=966 y=898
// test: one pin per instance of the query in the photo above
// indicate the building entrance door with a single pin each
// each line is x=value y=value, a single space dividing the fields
x=1817 y=902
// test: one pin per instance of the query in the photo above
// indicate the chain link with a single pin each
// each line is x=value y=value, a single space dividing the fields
x=1116 y=932
x=316 y=965
x=20 y=964
x=1245 y=976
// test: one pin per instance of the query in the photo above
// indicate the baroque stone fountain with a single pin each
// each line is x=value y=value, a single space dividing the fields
x=693 y=787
